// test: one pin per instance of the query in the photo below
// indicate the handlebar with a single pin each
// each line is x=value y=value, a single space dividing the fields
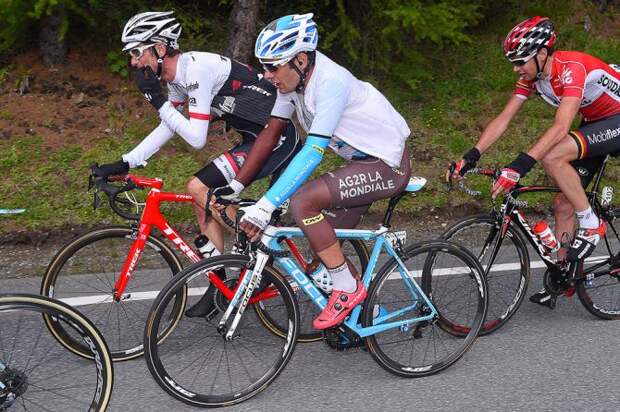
x=494 y=175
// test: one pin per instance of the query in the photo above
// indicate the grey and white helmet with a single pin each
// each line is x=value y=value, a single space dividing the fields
x=153 y=27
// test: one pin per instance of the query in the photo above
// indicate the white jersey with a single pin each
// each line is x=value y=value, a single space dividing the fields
x=212 y=87
x=353 y=114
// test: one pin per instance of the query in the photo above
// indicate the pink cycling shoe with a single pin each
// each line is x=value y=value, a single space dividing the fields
x=340 y=304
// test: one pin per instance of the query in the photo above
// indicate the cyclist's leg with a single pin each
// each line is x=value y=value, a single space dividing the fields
x=592 y=140
x=357 y=184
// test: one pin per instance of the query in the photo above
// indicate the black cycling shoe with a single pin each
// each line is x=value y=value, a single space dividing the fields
x=543 y=298
x=205 y=307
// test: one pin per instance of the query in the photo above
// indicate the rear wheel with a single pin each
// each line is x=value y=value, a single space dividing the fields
x=420 y=342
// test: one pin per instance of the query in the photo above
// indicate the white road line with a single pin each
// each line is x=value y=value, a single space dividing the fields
x=198 y=291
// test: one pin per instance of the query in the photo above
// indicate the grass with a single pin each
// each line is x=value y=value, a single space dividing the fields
x=469 y=85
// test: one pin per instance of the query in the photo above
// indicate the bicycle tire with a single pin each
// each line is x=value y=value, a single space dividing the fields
x=308 y=310
x=28 y=308
x=122 y=322
x=431 y=360
x=171 y=363
x=506 y=293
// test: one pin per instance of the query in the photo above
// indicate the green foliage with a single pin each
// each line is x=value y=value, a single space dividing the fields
x=117 y=63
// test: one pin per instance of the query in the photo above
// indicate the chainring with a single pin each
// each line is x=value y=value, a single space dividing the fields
x=339 y=339
x=556 y=282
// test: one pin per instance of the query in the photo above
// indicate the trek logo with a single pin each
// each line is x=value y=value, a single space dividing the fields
x=567 y=76
x=228 y=105
x=180 y=244
x=362 y=183
x=610 y=84
x=603 y=136
x=258 y=90
x=192 y=86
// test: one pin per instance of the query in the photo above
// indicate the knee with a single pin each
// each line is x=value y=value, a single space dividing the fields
x=562 y=207
x=195 y=186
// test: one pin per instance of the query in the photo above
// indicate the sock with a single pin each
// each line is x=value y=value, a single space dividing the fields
x=342 y=278
x=209 y=250
x=587 y=219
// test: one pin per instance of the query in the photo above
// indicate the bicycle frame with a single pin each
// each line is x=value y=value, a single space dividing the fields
x=510 y=214
x=152 y=216
x=271 y=238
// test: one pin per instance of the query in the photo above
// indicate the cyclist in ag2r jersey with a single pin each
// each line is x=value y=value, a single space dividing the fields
x=213 y=87
x=353 y=119
x=575 y=83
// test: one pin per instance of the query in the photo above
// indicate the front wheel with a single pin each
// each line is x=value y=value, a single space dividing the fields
x=195 y=364
x=424 y=300
x=83 y=274
x=507 y=272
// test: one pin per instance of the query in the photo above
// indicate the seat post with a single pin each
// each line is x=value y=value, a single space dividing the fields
x=387 y=218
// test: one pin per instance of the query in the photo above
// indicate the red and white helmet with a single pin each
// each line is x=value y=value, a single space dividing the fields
x=527 y=38
x=153 y=27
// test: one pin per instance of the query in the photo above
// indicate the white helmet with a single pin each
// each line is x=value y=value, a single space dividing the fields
x=283 y=38
x=153 y=26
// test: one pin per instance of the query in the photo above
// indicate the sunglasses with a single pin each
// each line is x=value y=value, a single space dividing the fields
x=271 y=68
x=138 y=51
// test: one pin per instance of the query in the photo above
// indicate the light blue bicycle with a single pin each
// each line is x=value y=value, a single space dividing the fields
x=424 y=309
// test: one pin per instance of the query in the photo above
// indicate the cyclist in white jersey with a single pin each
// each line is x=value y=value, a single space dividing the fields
x=353 y=119
x=213 y=87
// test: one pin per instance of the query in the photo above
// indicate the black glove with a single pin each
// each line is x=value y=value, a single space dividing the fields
x=150 y=86
x=117 y=168
x=469 y=160
x=229 y=192
x=522 y=164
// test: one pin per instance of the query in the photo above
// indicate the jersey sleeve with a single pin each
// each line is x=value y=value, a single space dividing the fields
x=524 y=88
x=283 y=107
x=573 y=79
x=200 y=84
x=331 y=100
x=176 y=96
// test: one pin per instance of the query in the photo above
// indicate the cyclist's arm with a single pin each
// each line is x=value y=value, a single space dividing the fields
x=331 y=101
x=498 y=126
x=148 y=146
x=193 y=130
x=559 y=129
x=266 y=141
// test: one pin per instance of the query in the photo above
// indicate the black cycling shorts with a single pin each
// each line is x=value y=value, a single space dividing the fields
x=221 y=170
x=594 y=141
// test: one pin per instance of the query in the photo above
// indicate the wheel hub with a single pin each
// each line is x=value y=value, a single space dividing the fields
x=16 y=384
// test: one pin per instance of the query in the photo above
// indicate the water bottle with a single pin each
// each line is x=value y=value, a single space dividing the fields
x=546 y=236
x=321 y=278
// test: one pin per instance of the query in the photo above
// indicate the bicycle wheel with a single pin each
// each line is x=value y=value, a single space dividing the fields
x=195 y=364
x=456 y=288
x=36 y=372
x=270 y=315
x=83 y=274
x=600 y=293
x=507 y=275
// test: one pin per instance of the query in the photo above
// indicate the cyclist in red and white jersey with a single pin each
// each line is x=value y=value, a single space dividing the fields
x=576 y=83
x=213 y=87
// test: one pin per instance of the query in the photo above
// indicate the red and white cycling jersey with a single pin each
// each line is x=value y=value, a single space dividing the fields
x=581 y=75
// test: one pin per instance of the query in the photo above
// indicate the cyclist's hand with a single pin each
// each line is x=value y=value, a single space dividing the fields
x=229 y=192
x=150 y=86
x=506 y=181
x=256 y=218
x=456 y=170
x=117 y=168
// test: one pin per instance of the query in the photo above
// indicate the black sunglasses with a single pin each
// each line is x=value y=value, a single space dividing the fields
x=271 y=68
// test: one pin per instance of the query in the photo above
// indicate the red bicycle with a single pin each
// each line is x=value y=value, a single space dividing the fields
x=114 y=288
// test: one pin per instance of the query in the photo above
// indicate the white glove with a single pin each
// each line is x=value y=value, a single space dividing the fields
x=258 y=214
x=230 y=191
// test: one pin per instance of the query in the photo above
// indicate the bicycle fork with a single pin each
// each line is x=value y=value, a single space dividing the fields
x=242 y=297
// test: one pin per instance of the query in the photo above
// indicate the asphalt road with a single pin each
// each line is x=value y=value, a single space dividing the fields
x=546 y=360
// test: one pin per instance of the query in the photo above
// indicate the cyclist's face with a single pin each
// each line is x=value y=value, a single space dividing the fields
x=526 y=71
x=284 y=77
x=147 y=58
